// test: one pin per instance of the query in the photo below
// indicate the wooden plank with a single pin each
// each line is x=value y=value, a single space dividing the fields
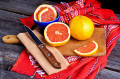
x=12 y=75
x=107 y=74
x=118 y=15
x=26 y=7
x=9 y=24
x=98 y=36
x=103 y=74
x=114 y=58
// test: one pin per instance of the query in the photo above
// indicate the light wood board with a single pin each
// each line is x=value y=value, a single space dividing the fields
x=98 y=36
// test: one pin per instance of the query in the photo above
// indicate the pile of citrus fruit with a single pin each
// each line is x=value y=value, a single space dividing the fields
x=58 y=33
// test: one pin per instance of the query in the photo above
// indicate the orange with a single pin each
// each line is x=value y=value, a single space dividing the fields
x=45 y=13
x=57 y=33
x=81 y=27
x=87 y=50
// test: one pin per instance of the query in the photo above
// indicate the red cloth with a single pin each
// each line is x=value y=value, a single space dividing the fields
x=80 y=67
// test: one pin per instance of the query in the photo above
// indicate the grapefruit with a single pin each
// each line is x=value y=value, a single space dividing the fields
x=45 y=13
x=81 y=27
x=87 y=50
x=57 y=33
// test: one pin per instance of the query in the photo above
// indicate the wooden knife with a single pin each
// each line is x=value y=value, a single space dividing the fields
x=48 y=54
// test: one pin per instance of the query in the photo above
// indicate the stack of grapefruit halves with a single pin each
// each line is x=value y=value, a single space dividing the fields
x=45 y=13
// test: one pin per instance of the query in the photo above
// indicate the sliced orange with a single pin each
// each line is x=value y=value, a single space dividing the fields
x=45 y=13
x=87 y=50
x=57 y=33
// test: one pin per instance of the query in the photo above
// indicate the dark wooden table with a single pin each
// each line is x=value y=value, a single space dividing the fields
x=10 y=12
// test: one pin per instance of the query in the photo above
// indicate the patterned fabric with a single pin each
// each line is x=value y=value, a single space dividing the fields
x=80 y=67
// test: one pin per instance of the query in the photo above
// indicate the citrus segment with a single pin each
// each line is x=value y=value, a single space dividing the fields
x=45 y=13
x=81 y=27
x=87 y=50
x=57 y=33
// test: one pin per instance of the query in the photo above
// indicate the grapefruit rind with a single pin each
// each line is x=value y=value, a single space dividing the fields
x=89 y=53
x=56 y=43
x=45 y=5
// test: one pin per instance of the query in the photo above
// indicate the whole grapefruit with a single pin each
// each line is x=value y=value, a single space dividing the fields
x=81 y=27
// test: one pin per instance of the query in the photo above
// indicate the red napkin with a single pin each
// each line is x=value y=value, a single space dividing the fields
x=80 y=67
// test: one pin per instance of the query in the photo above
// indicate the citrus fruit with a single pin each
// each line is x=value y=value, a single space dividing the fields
x=87 y=50
x=45 y=13
x=57 y=33
x=81 y=27
x=42 y=15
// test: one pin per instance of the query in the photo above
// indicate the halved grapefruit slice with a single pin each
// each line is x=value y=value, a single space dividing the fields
x=45 y=13
x=42 y=15
x=87 y=50
x=57 y=33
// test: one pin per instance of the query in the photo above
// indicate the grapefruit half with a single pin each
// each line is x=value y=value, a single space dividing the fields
x=57 y=33
x=45 y=13
x=87 y=50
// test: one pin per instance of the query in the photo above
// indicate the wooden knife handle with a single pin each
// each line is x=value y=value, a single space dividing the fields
x=11 y=39
x=50 y=57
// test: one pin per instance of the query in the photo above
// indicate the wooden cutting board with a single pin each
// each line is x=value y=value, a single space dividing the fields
x=38 y=55
x=98 y=36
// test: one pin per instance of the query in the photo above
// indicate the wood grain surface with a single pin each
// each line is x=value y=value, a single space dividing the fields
x=98 y=36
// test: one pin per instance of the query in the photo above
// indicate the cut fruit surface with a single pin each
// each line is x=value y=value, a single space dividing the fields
x=87 y=50
x=45 y=13
x=42 y=15
x=57 y=33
